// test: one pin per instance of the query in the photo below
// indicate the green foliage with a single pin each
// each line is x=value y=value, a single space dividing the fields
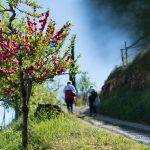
x=127 y=103
x=42 y=94
x=10 y=137
x=79 y=101
x=64 y=132
x=83 y=82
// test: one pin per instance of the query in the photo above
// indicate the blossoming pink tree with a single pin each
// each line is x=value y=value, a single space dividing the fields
x=31 y=52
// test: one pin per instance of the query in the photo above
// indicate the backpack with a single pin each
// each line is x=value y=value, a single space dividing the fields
x=69 y=95
x=93 y=94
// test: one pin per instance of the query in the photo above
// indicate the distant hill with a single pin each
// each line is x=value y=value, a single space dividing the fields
x=126 y=92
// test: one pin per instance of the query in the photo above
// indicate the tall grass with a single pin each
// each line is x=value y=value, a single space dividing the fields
x=127 y=103
x=65 y=133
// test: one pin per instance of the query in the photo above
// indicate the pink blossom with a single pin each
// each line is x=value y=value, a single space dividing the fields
x=61 y=70
x=15 y=61
x=9 y=43
x=39 y=63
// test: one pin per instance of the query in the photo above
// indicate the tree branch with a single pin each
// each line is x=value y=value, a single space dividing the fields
x=4 y=10
x=7 y=49
x=11 y=18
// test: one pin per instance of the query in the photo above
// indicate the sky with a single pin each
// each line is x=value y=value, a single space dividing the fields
x=9 y=115
x=99 y=38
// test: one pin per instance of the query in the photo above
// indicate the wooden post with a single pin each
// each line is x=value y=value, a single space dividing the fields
x=126 y=53
x=122 y=56
x=72 y=74
x=72 y=68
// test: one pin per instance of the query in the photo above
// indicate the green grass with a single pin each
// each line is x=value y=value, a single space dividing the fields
x=127 y=103
x=65 y=133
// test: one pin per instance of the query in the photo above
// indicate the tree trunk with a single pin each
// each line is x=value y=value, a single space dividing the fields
x=25 y=88
x=24 y=113
x=25 y=110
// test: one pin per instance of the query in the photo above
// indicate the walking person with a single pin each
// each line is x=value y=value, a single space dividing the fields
x=92 y=96
x=70 y=93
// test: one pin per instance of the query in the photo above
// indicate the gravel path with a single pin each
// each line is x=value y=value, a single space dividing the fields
x=135 y=131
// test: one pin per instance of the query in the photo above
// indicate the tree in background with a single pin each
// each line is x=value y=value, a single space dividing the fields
x=83 y=84
x=45 y=93
x=29 y=53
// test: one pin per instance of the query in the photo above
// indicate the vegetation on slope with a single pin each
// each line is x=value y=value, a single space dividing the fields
x=127 y=103
x=125 y=94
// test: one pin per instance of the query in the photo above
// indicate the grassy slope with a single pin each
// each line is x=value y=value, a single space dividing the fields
x=126 y=102
x=62 y=133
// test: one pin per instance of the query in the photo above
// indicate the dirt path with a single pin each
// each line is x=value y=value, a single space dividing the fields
x=135 y=131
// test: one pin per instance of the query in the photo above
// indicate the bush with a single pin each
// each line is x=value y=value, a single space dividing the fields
x=47 y=111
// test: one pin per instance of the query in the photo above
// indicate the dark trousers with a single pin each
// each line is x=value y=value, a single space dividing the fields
x=91 y=105
x=69 y=104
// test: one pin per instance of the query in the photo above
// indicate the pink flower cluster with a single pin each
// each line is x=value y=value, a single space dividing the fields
x=44 y=21
x=59 y=34
x=11 y=71
x=61 y=70
x=14 y=61
x=50 y=30
x=4 y=55
x=44 y=71
x=8 y=47
x=31 y=25
x=39 y=63
x=30 y=72
x=14 y=47
x=26 y=45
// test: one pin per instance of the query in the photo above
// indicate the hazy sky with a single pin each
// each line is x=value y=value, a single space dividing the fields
x=9 y=113
x=99 y=39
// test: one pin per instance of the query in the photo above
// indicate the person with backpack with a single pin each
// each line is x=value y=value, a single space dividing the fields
x=92 y=96
x=70 y=93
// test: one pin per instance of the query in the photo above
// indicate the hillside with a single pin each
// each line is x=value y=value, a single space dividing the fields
x=126 y=92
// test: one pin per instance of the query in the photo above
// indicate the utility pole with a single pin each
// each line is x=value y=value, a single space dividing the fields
x=72 y=69
x=126 y=53
x=122 y=56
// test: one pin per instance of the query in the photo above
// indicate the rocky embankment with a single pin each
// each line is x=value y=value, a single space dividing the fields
x=136 y=74
x=125 y=94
